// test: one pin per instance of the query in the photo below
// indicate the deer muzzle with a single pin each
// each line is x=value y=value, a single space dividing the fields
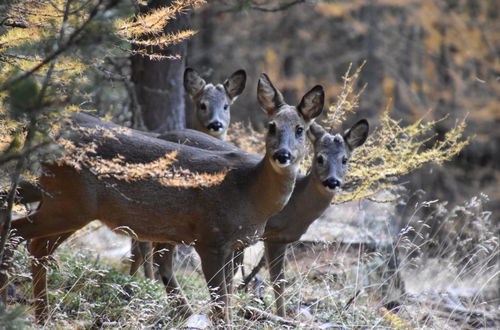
x=215 y=126
x=332 y=183
x=282 y=158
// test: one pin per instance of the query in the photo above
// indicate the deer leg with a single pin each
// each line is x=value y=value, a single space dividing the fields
x=229 y=272
x=213 y=264
x=141 y=255
x=163 y=256
x=147 y=252
x=136 y=257
x=238 y=262
x=275 y=255
x=42 y=249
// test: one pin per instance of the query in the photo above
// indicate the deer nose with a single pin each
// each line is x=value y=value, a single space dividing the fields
x=332 y=183
x=283 y=157
x=215 y=126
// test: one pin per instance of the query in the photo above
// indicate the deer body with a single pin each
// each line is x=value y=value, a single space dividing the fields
x=216 y=220
x=311 y=196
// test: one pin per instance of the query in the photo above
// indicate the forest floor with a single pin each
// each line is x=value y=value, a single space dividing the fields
x=338 y=276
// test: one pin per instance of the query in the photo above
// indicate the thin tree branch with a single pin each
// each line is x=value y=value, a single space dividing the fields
x=62 y=48
x=254 y=6
x=281 y=7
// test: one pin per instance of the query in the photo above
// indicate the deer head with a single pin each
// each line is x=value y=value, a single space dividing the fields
x=332 y=152
x=212 y=102
x=287 y=126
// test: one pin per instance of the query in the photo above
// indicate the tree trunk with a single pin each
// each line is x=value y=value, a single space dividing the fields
x=158 y=84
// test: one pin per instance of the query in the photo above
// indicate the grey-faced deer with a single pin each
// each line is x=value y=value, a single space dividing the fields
x=216 y=220
x=212 y=102
x=211 y=111
x=311 y=196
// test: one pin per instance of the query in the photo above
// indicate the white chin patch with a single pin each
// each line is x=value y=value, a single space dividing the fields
x=215 y=133
x=332 y=189
x=282 y=165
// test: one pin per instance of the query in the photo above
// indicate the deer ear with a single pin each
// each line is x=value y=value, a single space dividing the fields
x=315 y=132
x=269 y=97
x=193 y=82
x=357 y=134
x=235 y=84
x=312 y=103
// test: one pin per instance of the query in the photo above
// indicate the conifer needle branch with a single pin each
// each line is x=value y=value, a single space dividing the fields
x=61 y=49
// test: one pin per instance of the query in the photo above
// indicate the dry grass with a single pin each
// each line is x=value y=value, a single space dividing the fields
x=438 y=278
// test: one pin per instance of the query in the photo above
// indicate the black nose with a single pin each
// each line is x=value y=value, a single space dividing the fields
x=215 y=126
x=282 y=156
x=332 y=183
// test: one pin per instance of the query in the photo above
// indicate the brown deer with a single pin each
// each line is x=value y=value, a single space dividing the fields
x=211 y=111
x=311 y=196
x=216 y=220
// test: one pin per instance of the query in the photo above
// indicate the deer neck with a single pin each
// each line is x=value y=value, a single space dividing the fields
x=310 y=198
x=271 y=188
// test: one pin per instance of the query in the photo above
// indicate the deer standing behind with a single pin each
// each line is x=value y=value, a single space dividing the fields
x=311 y=196
x=212 y=115
x=216 y=220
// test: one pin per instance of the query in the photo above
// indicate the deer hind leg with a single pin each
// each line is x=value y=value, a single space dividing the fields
x=141 y=255
x=163 y=257
x=42 y=249
x=275 y=255
x=213 y=265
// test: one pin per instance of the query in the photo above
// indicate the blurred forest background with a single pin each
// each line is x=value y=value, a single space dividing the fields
x=428 y=59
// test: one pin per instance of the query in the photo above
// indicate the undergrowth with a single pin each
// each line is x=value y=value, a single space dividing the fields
x=439 y=271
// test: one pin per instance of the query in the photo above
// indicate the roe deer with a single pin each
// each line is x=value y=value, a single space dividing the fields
x=311 y=196
x=211 y=109
x=212 y=102
x=216 y=220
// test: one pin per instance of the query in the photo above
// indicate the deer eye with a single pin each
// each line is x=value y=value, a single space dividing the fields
x=203 y=106
x=226 y=106
x=321 y=160
x=298 y=131
x=272 y=128
x=344 y=160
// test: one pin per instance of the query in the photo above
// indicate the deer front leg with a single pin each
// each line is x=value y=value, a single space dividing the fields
x=230 y=269
x=238 y=262
x=141 y=255
x=275 y=255
x=163 y=257
x=42 y=249
x=213 y=263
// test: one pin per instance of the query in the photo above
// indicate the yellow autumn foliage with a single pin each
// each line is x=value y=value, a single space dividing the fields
x=161 y=170
x=35 y=28
x=392 y=150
